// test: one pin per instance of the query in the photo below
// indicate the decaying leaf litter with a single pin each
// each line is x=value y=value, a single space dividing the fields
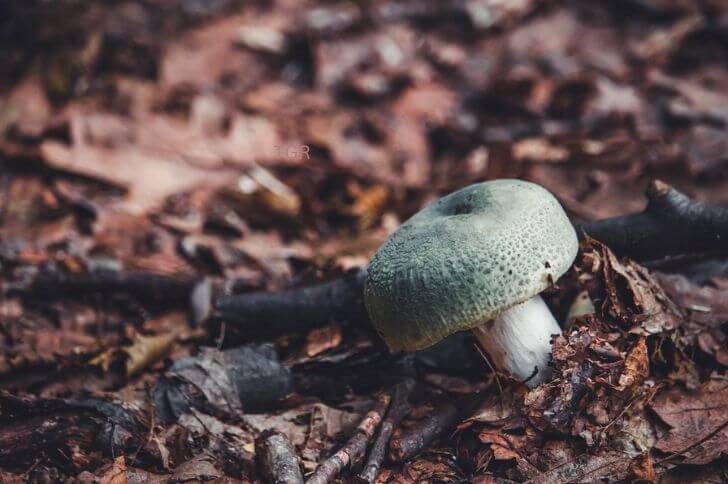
x=160 y=157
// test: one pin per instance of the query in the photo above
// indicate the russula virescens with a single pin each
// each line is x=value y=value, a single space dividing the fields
x=477 y=260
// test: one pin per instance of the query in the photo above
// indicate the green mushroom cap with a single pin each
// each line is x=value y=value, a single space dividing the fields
x=464 y=259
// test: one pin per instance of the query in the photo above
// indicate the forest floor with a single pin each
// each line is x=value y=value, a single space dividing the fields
x=157 y=155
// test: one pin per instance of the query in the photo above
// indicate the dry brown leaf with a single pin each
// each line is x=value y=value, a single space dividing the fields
x=505 y=446
x=631 y=293
x=539 y=150
x=142 y=352
x=269 y=251
x=310 y=422
x=148 y=177
x=369 y=205
x=322 y=339
x=664 y=41
x=642 y=469
x=432 y=467
x=197 y=469
x=612 y=467
x=698 y=421
x=259 y=190
x=636 y=367
x=146 y=350
x=116 y=474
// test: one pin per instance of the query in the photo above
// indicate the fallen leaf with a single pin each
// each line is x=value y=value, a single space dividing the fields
x=306 y=422
x=322 y=339
x=223 y=383
x=539 y=150
x=197 y=469
x=588 y=468
x=146 y=350
x=698 y=422
x=116 y=474
x=636 y=367
x=631 y=293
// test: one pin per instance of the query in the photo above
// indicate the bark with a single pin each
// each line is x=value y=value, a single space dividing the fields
x=297 y=308
x=412 y=441
x=277 y=459
x=671 y=224
x=144 y=285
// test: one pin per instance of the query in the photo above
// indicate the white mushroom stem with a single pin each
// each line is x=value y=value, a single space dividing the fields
x=518 y=341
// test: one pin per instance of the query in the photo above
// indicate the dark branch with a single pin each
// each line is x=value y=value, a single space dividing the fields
x=297 y=308
x=407 y=444
x=277 y=459
x=145 y=285
x=671 y=224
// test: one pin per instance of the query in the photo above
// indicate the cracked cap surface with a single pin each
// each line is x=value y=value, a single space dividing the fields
x=464 y=259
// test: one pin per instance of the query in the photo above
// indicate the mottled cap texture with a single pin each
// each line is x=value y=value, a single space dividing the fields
x=464 y=259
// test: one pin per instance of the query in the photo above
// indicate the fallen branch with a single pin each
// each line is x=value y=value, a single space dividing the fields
x=353 y=452
x=145 y=285
x=397 y=411
x=277 y=459
x=671 y=224
x=410 y=442
x=297 y=308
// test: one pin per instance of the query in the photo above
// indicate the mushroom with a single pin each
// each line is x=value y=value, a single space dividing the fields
x=476 y=259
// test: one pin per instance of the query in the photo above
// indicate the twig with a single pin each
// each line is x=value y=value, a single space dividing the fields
x=277 y=459
x=397 y=411
x=671 y=224
x=296 y=308
x=412 y=441
x=353 y=451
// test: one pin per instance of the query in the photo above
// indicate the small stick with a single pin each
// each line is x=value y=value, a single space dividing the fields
x=398 y=409
x=412 y=441
x=277 y=459
x=353 y=451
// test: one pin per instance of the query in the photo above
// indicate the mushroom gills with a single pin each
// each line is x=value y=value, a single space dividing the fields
x=518 y=341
